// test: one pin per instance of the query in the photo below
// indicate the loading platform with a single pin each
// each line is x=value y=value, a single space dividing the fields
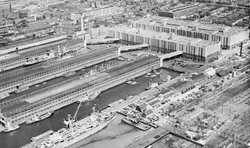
x=102 y=41
x=133 y=47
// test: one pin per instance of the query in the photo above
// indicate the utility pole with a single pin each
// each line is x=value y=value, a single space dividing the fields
x=241 y=46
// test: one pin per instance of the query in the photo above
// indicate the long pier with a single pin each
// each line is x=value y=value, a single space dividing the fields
x=20 y=57
x=59 y=68
x=97 y=83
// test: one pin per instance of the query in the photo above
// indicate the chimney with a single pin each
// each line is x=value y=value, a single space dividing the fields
x=10 y=7
x=82 y=22
x=241 y=45
x=3 y=12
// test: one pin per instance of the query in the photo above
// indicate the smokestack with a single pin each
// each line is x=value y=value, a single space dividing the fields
x=10 y=7
x=3 y=12
x=241 y=46
x=82 y=22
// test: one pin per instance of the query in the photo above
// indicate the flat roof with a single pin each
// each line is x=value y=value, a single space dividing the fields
x=125 y=48
x=163 y=36
x=172 y=54
x=131 y=65
x=216 y=29
x=101 y=40
x=7 y=109
x=29 y=41
x=65 y=87
x=88 y=55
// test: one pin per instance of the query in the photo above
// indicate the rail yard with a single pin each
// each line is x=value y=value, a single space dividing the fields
x=154 y=74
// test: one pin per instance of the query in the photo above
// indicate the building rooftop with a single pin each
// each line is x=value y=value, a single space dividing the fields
x=191 y=26
x=132 y=65
x=27 y=42
x=85 y=56
x=164 y=36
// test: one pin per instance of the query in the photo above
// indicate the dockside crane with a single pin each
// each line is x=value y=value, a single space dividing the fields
x=77 y=110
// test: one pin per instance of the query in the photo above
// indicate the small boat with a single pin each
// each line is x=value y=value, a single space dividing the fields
x=129 y=82
x=11 y=128
x=153 y=75
x=39 y=118
x=148 y=75
x=135 y=123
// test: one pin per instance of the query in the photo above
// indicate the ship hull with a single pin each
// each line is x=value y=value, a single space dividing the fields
x=134 y=125
x=87 y=134
x=41 y=118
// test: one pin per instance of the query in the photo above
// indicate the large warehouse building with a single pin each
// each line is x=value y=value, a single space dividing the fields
x=229 y=37
x=180 y=11
x=196 y=49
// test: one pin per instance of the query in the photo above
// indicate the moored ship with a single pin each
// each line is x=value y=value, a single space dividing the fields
x=78 y=130
x=135 y=123
x=39 y=118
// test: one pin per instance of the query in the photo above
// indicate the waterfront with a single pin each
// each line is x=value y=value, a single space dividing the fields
x=26 y=132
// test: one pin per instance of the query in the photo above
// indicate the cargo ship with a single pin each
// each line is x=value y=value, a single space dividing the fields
x=78 y=130
x=136 y=123
x=39 y=118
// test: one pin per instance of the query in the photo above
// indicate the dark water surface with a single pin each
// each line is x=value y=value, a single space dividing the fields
x=23 y=135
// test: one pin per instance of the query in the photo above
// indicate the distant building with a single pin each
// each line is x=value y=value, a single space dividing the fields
x=100 y=12
x=180 y=11
x=229 y=37
x=5 y=9
x=195 y=49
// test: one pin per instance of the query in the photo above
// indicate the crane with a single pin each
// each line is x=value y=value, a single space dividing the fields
x=78 y=107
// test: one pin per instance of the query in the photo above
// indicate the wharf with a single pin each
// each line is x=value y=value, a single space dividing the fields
x=151 y=92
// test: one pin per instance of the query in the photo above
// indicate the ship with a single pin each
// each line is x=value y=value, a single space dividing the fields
x=136 y=123
x=132 y=82
x=78 y=130
x=11 y=128
x=39 y=118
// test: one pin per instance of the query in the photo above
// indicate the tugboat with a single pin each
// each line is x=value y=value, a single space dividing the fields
x=39 y=117
x=132 y=82
x=136 y=123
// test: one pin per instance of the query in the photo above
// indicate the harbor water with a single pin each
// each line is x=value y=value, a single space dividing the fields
x=23 y=135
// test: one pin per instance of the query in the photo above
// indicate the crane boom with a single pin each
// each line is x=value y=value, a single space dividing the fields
x=74 y=117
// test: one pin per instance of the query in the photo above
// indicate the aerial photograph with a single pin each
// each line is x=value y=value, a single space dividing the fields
x=124 y=73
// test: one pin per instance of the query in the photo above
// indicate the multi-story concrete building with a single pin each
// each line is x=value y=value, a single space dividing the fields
x=196 y=49
x=229 y=37
x=180 y=11
x=100 y=12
